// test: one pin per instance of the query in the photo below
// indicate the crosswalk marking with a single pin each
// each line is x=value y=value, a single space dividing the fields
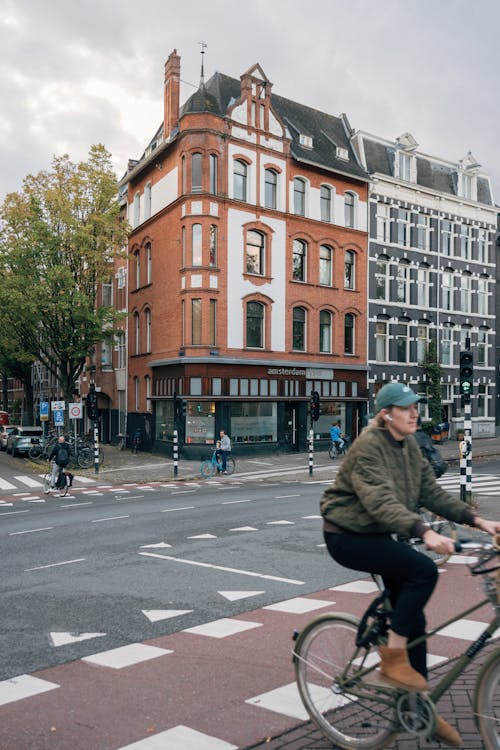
x=4 y=485
x=28 y=481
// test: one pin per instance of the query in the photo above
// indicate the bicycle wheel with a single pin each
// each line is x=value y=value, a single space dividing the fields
x=440 y=526
x=63 y=491
x=85 y=458
x=47 y=481
x=207 y=469
x=343 y=706
x=332 y=451
x=230 y=465
x=487 y=702
x=35 y=452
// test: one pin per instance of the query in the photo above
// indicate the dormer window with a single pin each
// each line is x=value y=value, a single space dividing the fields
x=467 y=177
x=305 y=140
x=342 y=153
x=405 y=162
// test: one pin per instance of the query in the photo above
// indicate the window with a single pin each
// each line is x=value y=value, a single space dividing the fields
x=383 y=222
x=149 y=264
x=299 y=197
x=349 y=334
x=447 y=290
x=381 y=341
x=299 y=260
x=423 y=232
x=255 y=325
x=106 y=355
x=423 y=287
x=137 y=209
x=196 y=245
x=148 y=330
x=382 y=279
x=404 y=166
x=349 y=210
x=447 y=346
x=196 y=321
x=465 y=293
x=137 y=333
x=212 y=249
x=183 y=175
x=325 y=331
x=482 y=296
x=196 y=173
x=212 y=160
x=482 y=400
x=271 y=188
x=212 y=332
x=349 y=269
x=465 y=241
x=403 y=220
x=183 y=246
x=147 y=382
x=482 y=347
x=403 y=283
x=447 y=238
x=122 y=350
x=147 y=201
x=402 y=342
x=299 y=329
x=240 y=180
x=137 y=393
x=254 y=261
x=464 y=335
x=137 y=258
x=422 y=342
x=467 y=186
x=325 y=265
x=107 y=294
x=482 y=245
x=325 y=200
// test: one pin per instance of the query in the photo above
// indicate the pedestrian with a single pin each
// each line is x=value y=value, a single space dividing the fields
x=59 y=456
x=376 y=493
x=223 y=449
x=429 y=451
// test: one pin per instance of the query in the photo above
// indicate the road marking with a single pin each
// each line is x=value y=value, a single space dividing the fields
x=235 y=502
x=55 y=565
x=155 y=615
x=5 y=485
x=23 y=686
x=223 y=627
x=180 y=737
x=31 y=531
x=63 y=639
x=126 y=656
x=111 y=518
x=223 y=567
x=182 y=492
x=13 y=512
x=169 y=510
x=75 y=505
x=282 y=497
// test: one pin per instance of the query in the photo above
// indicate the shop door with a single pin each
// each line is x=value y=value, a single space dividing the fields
x=291 y=427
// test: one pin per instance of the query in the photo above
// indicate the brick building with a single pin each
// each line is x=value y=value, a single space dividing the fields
x=247 y=280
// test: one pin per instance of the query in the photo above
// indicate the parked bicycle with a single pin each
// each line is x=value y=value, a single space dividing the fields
x=210 y=467
x=336 y=656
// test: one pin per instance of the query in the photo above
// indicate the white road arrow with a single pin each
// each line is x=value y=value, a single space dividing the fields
x=233 y=596
x=62 y=639
x=155 y=615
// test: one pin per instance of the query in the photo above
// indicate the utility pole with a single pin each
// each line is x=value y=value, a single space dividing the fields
x=466 y=387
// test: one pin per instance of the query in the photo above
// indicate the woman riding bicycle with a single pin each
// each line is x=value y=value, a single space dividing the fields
x=375 y=495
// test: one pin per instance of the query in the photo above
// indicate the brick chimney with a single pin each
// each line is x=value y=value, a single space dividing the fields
x=171 y=93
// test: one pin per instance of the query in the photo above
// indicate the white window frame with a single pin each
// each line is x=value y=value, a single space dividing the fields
x=403 y=227
x=447 y=346
x=382 y=279
x=423 y=231
x=422 y=341
x=447 y=290
x=448 y=233
x=403 y=335
x=383 y=222
x=466 y=293
x=403 y=283
x=381 y=341
x=423 y=287
x=325 y=265
x=482 y=245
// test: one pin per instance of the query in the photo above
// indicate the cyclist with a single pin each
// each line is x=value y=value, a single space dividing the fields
x=59 y=456
x=375 y=494
x=336 y=436
x=223 y=449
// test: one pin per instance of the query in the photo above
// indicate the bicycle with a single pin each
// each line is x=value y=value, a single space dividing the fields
x=440 y=526
x=335 y=658
x=335 y=449
x=211 y=466
x=63 y=482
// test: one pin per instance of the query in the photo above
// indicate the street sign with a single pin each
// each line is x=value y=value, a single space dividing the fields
x=58 y=418
x=44 y=411
x=57 y=405
x=75 y=411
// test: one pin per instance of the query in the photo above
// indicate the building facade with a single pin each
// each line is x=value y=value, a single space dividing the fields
x=432 y=270
x=247 y=270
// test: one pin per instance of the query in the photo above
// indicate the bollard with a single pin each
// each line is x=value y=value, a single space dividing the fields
x=96 y=448
x=311 y=451
x=176 y=453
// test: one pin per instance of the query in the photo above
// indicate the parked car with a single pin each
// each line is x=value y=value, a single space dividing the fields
x=20 y=439
x=5 y=430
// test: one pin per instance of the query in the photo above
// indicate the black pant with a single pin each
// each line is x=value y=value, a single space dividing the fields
x=410 y=577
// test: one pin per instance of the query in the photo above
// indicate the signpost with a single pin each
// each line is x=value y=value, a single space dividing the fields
x=75 y=412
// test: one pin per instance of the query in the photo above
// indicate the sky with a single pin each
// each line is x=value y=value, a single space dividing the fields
x=74 y=73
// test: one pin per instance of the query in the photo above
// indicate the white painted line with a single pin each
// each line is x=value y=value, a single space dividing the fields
x=111 y=518
x=28 y=481
x=235 y=502
x=283 y=700
x=234 y=596
x=157 y=545
x=244 y=528
x=170 y=510
x=183 y=492
x=30 y=531
x=76 y=505
x=155 y=615
x=466 y=630
x=55 y=565
x=202 y=536
x=299 y=605
x=126 y=656
x=315 y=518
x=13 y=512
x=279 y=523
x=63 y=639
x=5 y=485
x=222 y=567
x=180 y=738
x=357 y=587
x=283 y=497
x=223 y=628
x=23 y=686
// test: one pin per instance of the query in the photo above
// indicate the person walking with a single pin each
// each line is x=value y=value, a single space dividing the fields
x=376 y=492
x=224 y=449
x=60 y=457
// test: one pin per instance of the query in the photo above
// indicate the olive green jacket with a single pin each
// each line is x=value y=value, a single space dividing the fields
x=380 y=484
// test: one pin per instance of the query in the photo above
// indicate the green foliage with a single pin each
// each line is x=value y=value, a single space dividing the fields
x=433 y=374
x=59 y=237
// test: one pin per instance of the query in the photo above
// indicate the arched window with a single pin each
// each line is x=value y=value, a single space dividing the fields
x=147 y=201
x=213 y=177
x=137 y=333
x=240 y=180
x=137 y=393
x=325 y=265
x=349 y=209
x=137 y=210
x=255 y=253
x=149 y=264
x=196 y=245
x=299 y=329
x=148 y=330
x=326 y=203
x=137 y=258
x=196 y=321
x=349 y=334
x=271 y=188
x=212 y=250
x=196 y=173
x=325 y=331
x=147 y=383
x=349 y=269
x=255 y=325
x=299 y=260
x=299 y=197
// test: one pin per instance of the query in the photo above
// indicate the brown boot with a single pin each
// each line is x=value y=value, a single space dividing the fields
x=447 y=734
x=397 y=669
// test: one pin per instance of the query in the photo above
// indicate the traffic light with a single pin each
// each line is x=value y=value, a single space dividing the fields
x=315 y=406
x=184 y=407
x=92 y=410
x=466 y=373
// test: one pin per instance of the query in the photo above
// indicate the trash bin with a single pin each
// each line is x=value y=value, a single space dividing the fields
x=436 y=433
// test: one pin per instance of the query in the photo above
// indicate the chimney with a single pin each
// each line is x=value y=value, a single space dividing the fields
x=171 y=93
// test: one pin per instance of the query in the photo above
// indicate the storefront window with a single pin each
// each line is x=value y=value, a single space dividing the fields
x=329 y=412
x=200 y=422
x=164 y=422
x=254 y=422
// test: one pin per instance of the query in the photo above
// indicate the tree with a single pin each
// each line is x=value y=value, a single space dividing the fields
x=433 y=374
x=60 y=236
